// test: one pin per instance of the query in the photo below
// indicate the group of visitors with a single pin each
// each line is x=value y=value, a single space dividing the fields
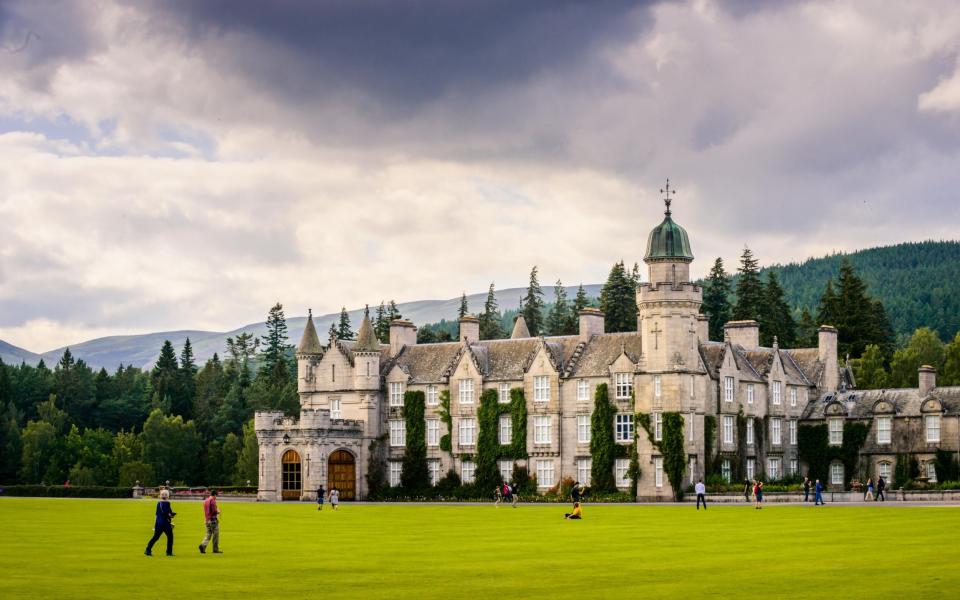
x=504 y=492
x=333 y=496
x=163 y=523
x=880 y=487
x=576 y=495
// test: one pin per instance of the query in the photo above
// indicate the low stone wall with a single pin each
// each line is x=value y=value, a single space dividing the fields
x=891 y=495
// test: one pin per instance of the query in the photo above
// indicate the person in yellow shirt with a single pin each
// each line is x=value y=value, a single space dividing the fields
x=576 y=514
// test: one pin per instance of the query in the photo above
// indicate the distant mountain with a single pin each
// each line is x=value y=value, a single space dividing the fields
x=13 y=355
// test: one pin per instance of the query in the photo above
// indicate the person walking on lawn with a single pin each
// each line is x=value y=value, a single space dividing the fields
x=321 y=493
x=163 y=524
x=211 y=517
x=806 y=489
x=881 y=485
x=818 y=493
x=868 y=495
x=701 y=494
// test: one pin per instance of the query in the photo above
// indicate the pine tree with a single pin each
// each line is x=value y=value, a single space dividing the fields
x=273 y=357
x=618 y=301
x=490 y=318
x=464 y=309
x=635 y=274
x=776 y=320
x=749 y=304
x=393 y=313
x=855 y=322
x=558 y=319
x=806 y=330
x=186 y=382
x=828 y=312
x=716 y=299
x=580 y=302
x=381 y=324
x=165 y=379
x=333 y=332
x=342 y=329
x=533 y=305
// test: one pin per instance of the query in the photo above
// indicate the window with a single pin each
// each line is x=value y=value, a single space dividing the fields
x=620 y=468
x=657 y=386
x=931 y=472
x=333 y=372
x=794 y=466
x=773 y=468
x=751 y=468
x=583 y=429
x=432 y=396
x=933 y=428
x=728 y=388
x=749 y=393
x=725 y=469
x=398 y=432
x=658 y=471
x=692 y=468
x=433 y=466
x=368 y=368
x=541 y=388
x=727 y=429
x=336 y=409
x=883 y=430
x=690 y=426
x=836 y=431
x=467 y=471
x=466 y=391
x=775 y=431
x=624 y=427
x=468 y=431
x=836 y=473
x=506 y=430
x=657 y=427
x=583 y=471
x=793 y=396
x=776 y=393
x=541 y=429
x=793 y=432
x=433 y=432
x=396 y=393
x=545 y=474
x=884 y=469
x=395 y=466
x=506 y=469
x=583 y=390
x=624 y=385
x=504 y=395
x=749 y=431
x=691 y=386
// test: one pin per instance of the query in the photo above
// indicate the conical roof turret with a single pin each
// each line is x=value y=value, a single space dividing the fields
x=309 y=342
x=366 y=339
x=520 y=329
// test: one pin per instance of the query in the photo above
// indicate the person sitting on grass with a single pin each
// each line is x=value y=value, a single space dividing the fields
x=576 y=514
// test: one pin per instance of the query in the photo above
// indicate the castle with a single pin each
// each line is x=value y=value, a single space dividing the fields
x=351 y=397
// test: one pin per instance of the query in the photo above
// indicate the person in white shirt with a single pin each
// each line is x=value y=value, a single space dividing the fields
x=701 y=494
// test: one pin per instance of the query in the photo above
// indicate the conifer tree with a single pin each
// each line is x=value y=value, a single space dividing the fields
x=716 y=299
x=558 y=319
x=775 y=317
x=635 y=274
x=273 y=357
x=333 y=332
x=828 y=313
x=381 y=324
x=165 y=379
x=951 y=363
x=806 y=330
x=580 y=302
x=393 y=313
x=533 y=305
x=490 y=318
x=749 y=289
x=187 y=383
x=618 y=301
x=343 y=330
x=464 y=309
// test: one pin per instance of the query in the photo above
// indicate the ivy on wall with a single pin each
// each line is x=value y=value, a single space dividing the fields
x=709 y=436
x=414 y=475
x=670 y=447
x=518 y=416
x=376 y=465
x=603 y=447
x=815 y=450
x=907 y=470
x=488 y=447
x=444 y=412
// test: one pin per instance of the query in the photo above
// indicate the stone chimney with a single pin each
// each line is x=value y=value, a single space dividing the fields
x=591 y=323
x=827 y=353
x=703 y=328
x=745 y=333
x=928 y=380
x=402 y=333
x=469 y=328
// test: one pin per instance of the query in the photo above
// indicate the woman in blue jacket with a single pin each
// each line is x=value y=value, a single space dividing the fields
x=163 y=524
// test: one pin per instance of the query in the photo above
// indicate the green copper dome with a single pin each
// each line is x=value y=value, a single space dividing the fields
x=668 y=240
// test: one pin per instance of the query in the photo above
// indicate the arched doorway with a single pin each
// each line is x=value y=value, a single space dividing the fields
x=291 y=476
x=342 y=474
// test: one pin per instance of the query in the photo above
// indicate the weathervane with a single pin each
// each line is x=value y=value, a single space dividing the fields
x=666 y=198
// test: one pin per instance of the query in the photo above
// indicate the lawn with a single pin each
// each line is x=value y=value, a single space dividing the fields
x=60 y=548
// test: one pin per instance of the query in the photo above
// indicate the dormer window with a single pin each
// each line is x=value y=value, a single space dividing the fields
x=728 y=389
x=541 y=388
x=624 y=385
x=776 y=393
x=396 y=393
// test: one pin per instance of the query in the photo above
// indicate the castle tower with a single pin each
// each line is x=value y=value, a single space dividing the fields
x=366 y=356
x=668 y=303
x=308 y=354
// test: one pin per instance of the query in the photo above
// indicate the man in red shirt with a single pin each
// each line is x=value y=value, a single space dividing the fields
x=211 y=514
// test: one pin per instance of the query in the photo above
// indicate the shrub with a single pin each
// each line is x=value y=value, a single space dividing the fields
x=59 y=491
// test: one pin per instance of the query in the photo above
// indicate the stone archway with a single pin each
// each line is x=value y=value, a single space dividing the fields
x=291 y=476
x=342 y=474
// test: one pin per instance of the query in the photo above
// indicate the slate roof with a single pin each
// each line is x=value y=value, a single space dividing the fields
x=907 y=402
x=366 y=340
x=310 y=342
x=602 y=350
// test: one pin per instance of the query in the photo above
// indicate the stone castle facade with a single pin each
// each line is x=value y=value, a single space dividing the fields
x=351 y=396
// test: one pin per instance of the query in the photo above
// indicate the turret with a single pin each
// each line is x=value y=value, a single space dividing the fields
x=308 y=353
x=520 y=329
x=366 y=356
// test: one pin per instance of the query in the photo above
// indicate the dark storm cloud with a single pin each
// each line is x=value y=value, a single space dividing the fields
x=37 y=37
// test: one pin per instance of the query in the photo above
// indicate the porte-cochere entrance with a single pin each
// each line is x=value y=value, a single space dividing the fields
x=342 y=474
x=291 y=476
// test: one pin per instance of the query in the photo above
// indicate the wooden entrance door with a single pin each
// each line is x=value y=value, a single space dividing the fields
x=342 y=474
x=291 y=476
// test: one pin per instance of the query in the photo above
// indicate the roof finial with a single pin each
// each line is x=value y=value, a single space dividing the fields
x=666 y=198
x=309 y=313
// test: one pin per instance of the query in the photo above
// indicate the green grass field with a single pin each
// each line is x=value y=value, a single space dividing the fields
x=60 y=548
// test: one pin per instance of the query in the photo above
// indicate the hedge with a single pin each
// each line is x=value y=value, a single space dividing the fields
x=59 y=491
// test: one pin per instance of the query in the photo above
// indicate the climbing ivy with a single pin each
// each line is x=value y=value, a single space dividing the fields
x=376 y=469
x=488 y=447
x=444 y=412
x=603 y=447
x=815 y=450
x=414 y=475
x=518 y=415
x=709 y=431
x=671 y=447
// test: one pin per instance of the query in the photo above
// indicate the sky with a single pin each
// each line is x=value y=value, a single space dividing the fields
x=185 y=165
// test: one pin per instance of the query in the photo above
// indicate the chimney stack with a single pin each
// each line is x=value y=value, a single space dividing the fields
x=469 y=329
x=402 y=333
x=703 y=328
x=827 y=353
x=745 y=333
x=928 y=380
x=591 y=323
